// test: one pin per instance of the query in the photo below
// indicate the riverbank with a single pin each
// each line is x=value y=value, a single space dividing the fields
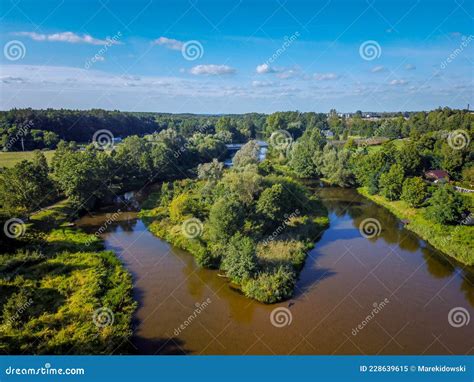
x=454 y=241
x=61 y=293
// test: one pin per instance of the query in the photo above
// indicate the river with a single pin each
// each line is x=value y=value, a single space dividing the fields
x=407 y=289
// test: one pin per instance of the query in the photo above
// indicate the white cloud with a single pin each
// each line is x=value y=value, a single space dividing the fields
x=262 y=84
x=410 y=67
x=325 y=76
x=213 y=70
x=169 y=43
x=378 y=69
x=264 y=68
x=398 y=82
x=68 y=37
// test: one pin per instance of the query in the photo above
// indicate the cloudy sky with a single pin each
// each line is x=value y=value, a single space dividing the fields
x=237 y=56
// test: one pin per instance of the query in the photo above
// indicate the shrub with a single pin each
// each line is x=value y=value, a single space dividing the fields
x=239 y=261
x=271 y=287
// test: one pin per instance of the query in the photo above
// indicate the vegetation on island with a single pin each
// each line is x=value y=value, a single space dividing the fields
x=256 y=228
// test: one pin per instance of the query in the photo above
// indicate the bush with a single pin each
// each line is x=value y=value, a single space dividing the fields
x=271 y=287
x=239 y=261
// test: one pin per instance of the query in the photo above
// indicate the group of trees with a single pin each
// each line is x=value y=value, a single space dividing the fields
x=238 y=210
x=391 y=171
x=89 y=175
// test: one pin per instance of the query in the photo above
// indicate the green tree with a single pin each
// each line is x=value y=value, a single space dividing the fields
x=240 y=261
x=211 y=171
x=306 y=154
x=26 y=187
x=414 y=191
x=273 y=203
x=226 y=218
x=446 y=205
x=390 y=183
x=248 y=154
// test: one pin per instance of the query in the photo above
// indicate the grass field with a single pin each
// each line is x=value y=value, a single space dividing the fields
x=9 y=159
x=397 y=142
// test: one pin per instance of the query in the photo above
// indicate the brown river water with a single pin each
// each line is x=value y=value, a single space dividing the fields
x=389 y=294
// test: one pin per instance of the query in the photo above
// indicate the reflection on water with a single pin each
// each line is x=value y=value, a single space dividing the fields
x=344 y=275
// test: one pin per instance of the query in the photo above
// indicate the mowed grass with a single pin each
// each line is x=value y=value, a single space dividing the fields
x=9 y=159
x=397 y=142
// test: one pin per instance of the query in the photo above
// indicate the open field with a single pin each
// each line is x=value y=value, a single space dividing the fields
x=9 y=159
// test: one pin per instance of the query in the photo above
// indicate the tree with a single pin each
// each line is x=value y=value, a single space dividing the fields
x=26 y=187
x=336 y=167
x=306 y=154
x=226 y=218
x=273 y=203
x=446 y=205
x=240 y=261
x=84 y=176
x=248 y=154
x=409 y=158
x=390 y=183
x=211 y=171
x=414 y=191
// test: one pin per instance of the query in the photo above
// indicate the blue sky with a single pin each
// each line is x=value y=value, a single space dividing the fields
x=237 y=56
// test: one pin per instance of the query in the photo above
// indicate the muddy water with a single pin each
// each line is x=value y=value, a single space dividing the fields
x=187 y=310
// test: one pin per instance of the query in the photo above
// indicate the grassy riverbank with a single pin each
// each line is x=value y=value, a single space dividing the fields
x=60 y=293
x=453 y=240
